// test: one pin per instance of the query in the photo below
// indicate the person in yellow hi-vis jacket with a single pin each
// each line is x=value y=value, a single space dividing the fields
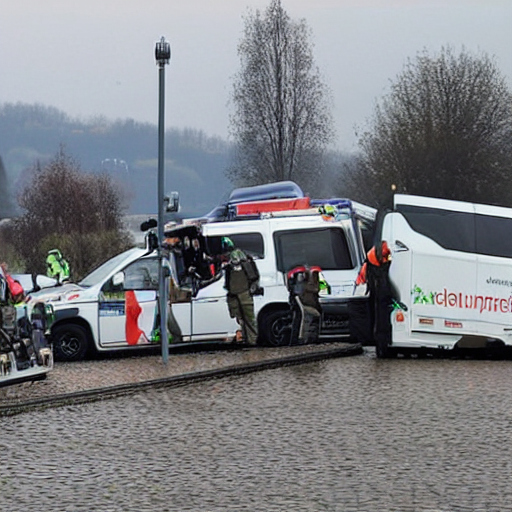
x=57 y=266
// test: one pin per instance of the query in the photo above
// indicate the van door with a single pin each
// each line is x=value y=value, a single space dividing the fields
x=128 y=303
x=397 y=233
x=210 y=315
x=180 y=297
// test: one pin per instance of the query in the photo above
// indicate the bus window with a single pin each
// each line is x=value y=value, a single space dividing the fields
x=450 y=229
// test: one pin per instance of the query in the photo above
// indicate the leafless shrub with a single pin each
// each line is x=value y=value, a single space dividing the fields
x=78 y=213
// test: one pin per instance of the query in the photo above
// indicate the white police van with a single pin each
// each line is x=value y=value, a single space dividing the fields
x=279 y=241
x=115 y=306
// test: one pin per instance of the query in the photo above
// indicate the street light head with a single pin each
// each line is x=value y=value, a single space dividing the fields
x=172 y=202
x=162 y=52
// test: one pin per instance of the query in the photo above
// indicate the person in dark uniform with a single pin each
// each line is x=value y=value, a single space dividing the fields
x=242 y=282
x=375 y=272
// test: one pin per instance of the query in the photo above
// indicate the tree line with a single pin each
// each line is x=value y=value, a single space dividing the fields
x=444 y=130
x=65 y=208
x=125 y=149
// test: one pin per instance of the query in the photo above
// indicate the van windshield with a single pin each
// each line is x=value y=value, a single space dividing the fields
x=104 y=271
x=326 y=247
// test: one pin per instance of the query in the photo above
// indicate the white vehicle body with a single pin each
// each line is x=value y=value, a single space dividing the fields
x=452 y=270
x=115 y=306
x=93 y=313
x=286 y=242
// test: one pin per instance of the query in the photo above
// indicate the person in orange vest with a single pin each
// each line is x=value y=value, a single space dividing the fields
x=374 y=272
x=374 y=259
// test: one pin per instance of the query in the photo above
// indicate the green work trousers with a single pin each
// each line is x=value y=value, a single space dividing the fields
x=241 y=307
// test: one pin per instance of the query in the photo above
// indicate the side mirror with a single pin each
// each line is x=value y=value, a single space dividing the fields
x=118 y=279
x=172 y=202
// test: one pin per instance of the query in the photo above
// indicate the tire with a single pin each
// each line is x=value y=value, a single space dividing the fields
x=70 y=342
x=275 y=329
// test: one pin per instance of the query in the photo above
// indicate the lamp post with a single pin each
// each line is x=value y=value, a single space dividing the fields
x=162 y=56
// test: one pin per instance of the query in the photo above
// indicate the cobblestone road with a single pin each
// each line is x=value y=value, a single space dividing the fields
x=350 y=434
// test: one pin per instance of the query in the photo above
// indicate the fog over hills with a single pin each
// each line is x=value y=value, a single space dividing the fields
x=125 y=149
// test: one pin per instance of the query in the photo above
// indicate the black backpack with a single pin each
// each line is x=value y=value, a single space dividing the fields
x=239 y=278
x=251 y=270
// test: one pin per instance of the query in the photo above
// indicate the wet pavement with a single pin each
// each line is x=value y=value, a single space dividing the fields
x=121 y=372
x=348 y=434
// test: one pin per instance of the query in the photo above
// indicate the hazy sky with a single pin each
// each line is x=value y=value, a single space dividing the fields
x=96 y=57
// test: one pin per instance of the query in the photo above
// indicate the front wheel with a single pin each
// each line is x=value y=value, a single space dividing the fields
x=70 y=342
x=275 y=329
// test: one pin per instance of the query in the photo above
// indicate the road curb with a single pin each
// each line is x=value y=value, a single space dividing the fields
x=81 y=397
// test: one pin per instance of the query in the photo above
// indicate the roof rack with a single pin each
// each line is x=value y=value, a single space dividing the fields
x=283 y=199
x=361 y=211
x=290 y=213
x=294 y=207
x=277 y=190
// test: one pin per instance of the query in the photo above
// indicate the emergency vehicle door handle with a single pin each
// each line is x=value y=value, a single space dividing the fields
x=400 y=246
x=207 y=300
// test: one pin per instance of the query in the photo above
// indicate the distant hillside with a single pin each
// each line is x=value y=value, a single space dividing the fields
x=125 y=149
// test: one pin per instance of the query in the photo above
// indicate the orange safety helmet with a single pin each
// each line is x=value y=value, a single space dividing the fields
x=386 y=255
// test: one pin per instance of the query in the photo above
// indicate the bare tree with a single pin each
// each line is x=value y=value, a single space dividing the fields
x=67 y=209
x=282 y=120
x=445 y=130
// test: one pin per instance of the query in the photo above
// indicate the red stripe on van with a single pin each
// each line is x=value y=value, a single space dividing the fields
x=272 y=205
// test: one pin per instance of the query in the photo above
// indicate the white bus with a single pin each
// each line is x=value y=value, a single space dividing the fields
x=451 y=274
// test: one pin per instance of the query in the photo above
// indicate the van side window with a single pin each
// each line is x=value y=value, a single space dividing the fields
x=451 y=230
x=326 y=247
x=461 y=231
x=142 y=275
x=250 y=243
